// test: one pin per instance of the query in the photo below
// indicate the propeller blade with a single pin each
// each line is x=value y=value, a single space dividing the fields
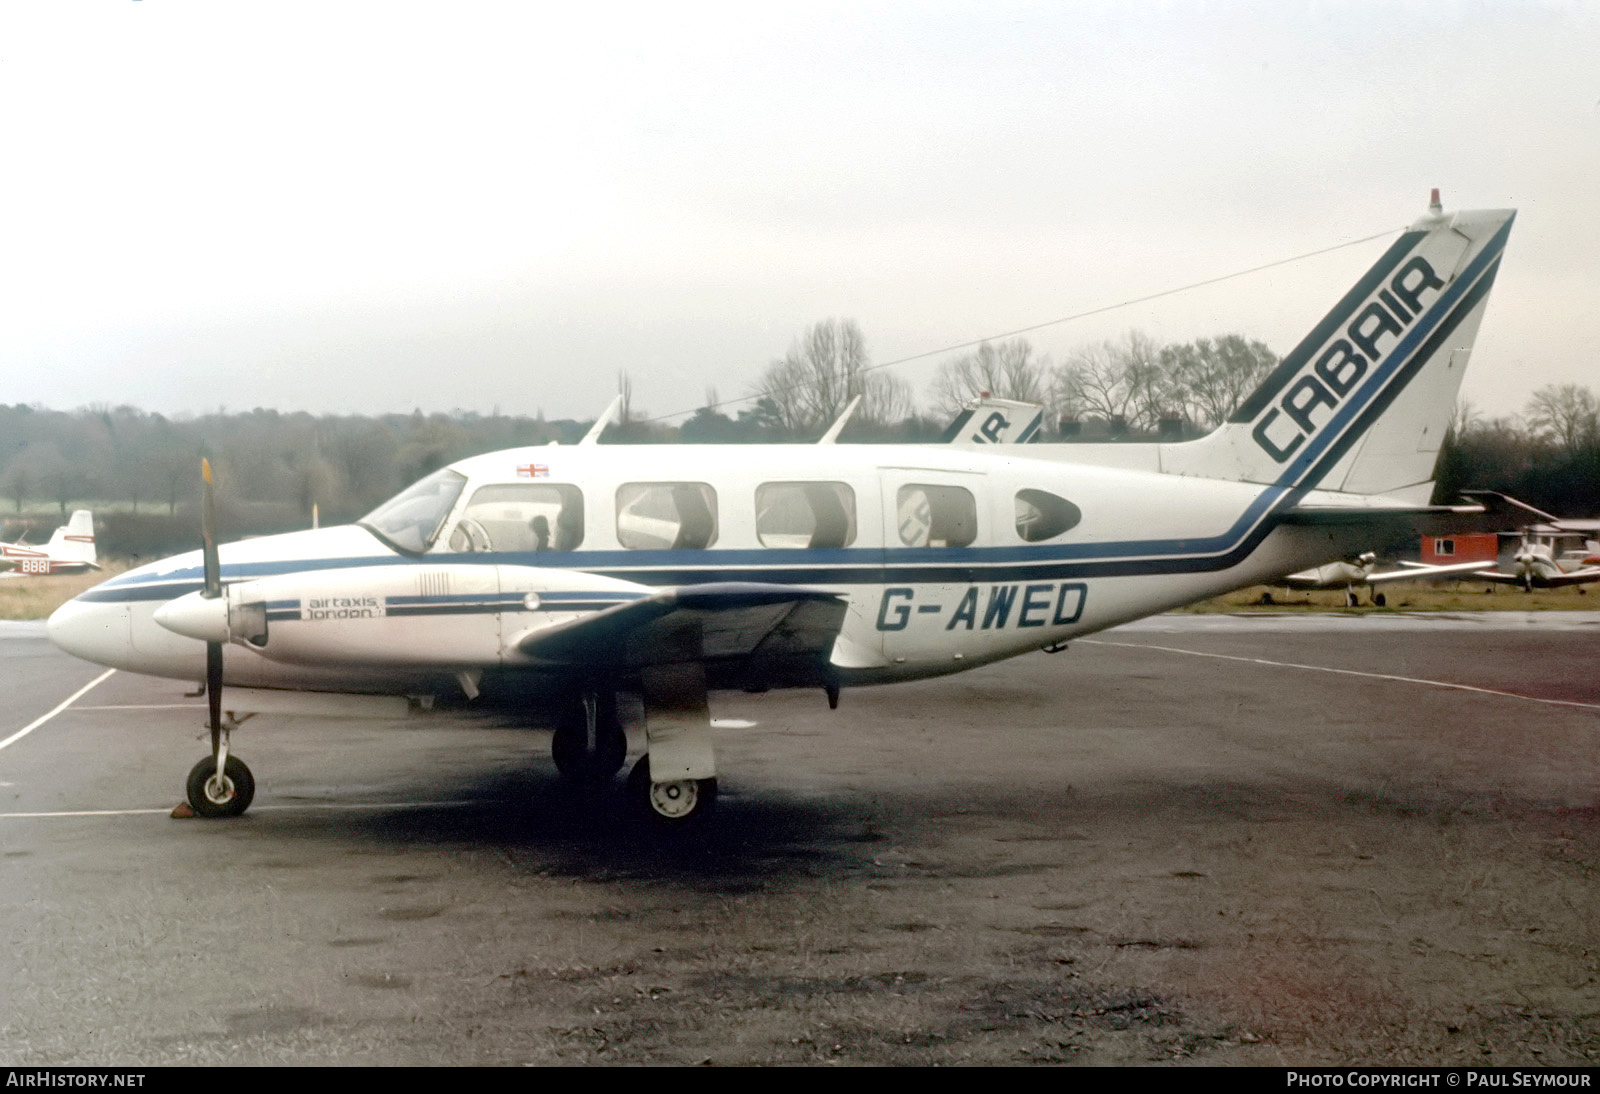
x=213 y=589
x=208 y=534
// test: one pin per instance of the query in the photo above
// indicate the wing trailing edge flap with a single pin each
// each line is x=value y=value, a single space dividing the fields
x=770 y=633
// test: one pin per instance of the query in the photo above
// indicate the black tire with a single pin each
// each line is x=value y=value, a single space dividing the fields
x=1379 y=600
x=672 y=806
x=569 y=747
x=1350 y=599
x=241 y=792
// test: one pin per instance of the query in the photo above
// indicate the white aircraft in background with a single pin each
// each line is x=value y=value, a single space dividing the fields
x=70 y=551
x=670 y=571
x=1363 y=569
x=1552 y=552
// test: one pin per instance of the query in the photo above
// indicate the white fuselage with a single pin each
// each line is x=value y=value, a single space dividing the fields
x=950 y=558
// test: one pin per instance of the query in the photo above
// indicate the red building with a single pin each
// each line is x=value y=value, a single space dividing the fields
x=1472 y=547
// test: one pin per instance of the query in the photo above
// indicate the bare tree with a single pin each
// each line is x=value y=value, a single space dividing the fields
x=1121 y=382
x=1567 y=414
x=1007 y=370
x=825 y=368
x=1209 y=377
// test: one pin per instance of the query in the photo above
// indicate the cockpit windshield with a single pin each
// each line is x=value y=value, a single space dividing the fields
x=412 y=518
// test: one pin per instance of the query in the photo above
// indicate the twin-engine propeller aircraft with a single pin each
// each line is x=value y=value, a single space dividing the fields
x=1363 y=569
x=671 y=571
x=69 y=551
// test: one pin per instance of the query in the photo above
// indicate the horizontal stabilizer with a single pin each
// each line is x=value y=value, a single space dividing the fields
x=1520 y=513
x=1431 y=519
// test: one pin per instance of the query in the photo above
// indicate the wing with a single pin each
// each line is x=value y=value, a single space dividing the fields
x=1576 y=577
x=746 y=634
x=1556 y=581
x=1416 y=571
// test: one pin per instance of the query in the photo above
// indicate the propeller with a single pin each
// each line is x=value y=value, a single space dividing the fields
x=211 y=591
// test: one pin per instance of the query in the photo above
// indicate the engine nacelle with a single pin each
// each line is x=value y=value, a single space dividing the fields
x=402 y=615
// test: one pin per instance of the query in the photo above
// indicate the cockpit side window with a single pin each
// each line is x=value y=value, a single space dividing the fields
x=1041 y=515
x=805 y=514
x=521 y=517
x=410 y=520
x=677 y=516
x=936 y=516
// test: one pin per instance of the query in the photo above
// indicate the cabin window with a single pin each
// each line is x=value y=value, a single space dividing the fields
x=411 y=519
x=936 y=516
x=521 y=517
x=675 y=516
x=1443 y=547
x=1042 y=515
x=805 y=514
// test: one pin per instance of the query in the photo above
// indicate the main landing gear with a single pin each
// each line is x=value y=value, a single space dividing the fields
x=674 y=785
x=672 y=804
x=589 y=743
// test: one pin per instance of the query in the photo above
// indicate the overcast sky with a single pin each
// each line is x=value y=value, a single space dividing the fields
x=366 y=207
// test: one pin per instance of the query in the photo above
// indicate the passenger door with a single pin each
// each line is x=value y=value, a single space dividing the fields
x=933 y=520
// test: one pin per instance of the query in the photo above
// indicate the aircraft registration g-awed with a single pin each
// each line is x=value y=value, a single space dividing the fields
x=671 y=571
x=70 y=550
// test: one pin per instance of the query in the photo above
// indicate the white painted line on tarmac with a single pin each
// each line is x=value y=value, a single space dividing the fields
x=305 y=808
x=86 y=813
x=148 y=706
x=74 y=697
x=1346 y=672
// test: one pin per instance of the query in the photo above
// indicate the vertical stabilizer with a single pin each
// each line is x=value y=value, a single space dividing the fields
x=988 y=420
x=74 y=541
x=1362 y=403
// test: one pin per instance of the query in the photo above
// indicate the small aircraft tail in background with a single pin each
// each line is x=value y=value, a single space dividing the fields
x=69 y=551
x=987 y=420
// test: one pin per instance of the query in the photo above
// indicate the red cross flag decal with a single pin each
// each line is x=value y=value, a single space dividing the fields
x=533 y=471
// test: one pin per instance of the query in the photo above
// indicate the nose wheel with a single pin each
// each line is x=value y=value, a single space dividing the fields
x=227 y=795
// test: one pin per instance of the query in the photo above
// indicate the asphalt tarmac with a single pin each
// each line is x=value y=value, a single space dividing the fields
x=1276 y=840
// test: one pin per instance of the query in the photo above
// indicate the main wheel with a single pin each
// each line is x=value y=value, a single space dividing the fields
x=577 y=755
x=1379 y=600
x=228 y=796
x=670 y=805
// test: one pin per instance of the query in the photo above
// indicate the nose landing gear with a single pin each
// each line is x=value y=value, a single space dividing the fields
x=225 y=796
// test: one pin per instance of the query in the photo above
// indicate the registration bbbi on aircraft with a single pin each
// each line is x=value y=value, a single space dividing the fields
x=70 y=550
x=669 y=572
